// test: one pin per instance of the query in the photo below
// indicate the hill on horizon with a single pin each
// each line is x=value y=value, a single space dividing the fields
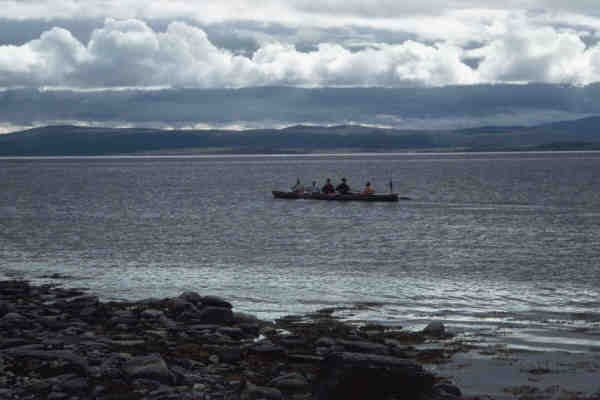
x=57 y=140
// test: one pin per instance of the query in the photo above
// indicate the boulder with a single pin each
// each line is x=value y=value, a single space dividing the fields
x=354 y=376
x=291 y=383
x=147 y=367
x=215 y=315
x=446 y=391
x=191 y=297
x=180 y=304
x=435 y=329
x=214 y=301
x=253 y=392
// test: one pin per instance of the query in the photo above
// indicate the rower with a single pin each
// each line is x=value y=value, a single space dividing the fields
x=298 y=188
x=343 y=187
x=328 y=187
x=368 y=190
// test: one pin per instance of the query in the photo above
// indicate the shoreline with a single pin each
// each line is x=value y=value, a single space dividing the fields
x=58 y=343
x=341 y=153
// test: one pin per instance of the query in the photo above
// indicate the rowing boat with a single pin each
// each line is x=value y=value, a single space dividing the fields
x=338 y=197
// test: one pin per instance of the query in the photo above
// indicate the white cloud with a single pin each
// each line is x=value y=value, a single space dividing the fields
x=514 y=46
x=130 y=53
x=47 y=60
x=521 y=52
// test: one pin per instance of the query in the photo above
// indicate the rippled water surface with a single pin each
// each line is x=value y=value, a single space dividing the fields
x=500 y=244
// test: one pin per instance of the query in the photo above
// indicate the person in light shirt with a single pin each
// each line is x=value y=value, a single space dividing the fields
x=315 y=188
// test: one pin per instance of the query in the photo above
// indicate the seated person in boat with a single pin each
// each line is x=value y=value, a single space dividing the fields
x=368 y=190
x=343 y=187
x=298 y=188
x=328 y=187
x=315 y=188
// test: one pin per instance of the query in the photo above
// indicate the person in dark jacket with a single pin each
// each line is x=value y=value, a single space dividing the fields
x=343 y=187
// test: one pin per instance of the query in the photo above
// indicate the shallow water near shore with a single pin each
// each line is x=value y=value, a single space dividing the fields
x=503 y=246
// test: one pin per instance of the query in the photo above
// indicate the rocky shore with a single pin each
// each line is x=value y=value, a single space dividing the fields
x=58 y=343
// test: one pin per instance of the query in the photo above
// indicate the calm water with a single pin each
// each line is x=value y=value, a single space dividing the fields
x=499 y=244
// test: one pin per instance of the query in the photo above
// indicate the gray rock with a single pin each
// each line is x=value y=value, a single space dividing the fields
x=38 y=385
x=82 y=302
x=12 y=316
x=123 y=318
x=214 y=301
x=162 y=392
x=152 y=314
x=72 y=383
x=267 y=349
x=446 y=391
x=14 y=342
x=231 y=355
x=111 y=366
x=354 y=376
x=234 y=333
x=250 y=328
x=180 y=304
x=325 y=341
x=151 y=301
x=245 y=318
x=292 y=382
x=57 y=396
x=191 y=297
x=72 y=331
x=78 y=363
x=6 y=308
x=148 y=367
x=203 y=328
x=215 y=315
x=216 y=338
x=435 y=329
x=87 y=312
x=364 y=347
x=253 y=392
x=293 y=340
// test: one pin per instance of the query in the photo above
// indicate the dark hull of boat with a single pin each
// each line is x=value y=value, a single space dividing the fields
x=337 y=197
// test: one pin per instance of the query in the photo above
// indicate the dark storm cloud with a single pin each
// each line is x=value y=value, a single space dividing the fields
x=417 y=107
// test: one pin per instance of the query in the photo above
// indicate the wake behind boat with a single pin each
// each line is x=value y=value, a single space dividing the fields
x=338 y=197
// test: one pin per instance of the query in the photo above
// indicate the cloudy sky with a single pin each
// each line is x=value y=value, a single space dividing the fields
x=235 y=63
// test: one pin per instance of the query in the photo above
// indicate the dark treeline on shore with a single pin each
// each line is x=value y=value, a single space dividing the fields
x=579 y=134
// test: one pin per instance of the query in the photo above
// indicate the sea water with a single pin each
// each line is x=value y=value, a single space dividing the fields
x=498 y=245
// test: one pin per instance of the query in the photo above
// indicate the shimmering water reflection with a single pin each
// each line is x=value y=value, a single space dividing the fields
x=504 y=244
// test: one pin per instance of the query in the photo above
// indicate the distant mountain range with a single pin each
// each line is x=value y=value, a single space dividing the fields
x=582 y=134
